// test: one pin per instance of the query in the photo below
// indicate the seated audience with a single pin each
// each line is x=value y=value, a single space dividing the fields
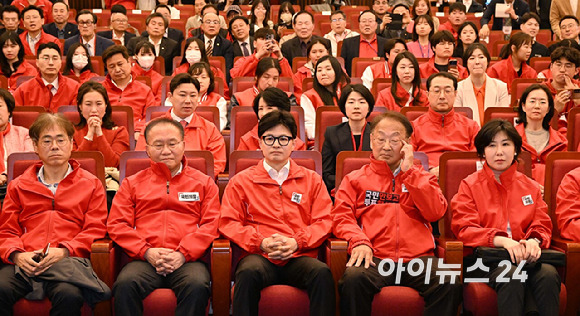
x=367 y=44
x=570 y=28
x=522 y=229
x=467 y=35
x=12 y=63
x=317 y=49
x=399 y=29
x=243 y=43
x=169 y=32
x=516 y=9
x=423 y=30
x=329 y=78
x=514 y=57
x=44 y=5
x=338 y=31
x=216 y=44
x=559 y=10
x=282 y=238
x=128 y=4
x=303 y=24
x=457 y=16
x=49 y=88
x=34 y=36
x=479 y=91
x=195 y=21
x=96 y=130
x=443 y=45
x=285 y=14
x=383 y=69
x=10 y=18
x=207 y=90
x=60 y=28
x=96 y=44
x=422 y=7
x=530 y=24
x=143 y=66
x=78 y=63
x=394 y=226
x=54 y=202
x=119 y=24
x=405 y=88
x=260 y=16
x=442 y=129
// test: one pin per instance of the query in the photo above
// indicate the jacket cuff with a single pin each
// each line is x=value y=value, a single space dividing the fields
x=68 y=247
x=495 y=232
x=142 y=252
x=300 y=240
x=535 y=234
x=255 y=243
x=352 y=245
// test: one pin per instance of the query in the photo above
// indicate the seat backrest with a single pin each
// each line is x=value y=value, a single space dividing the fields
x=540 y=63
x=558 y=164
x=380 y=84
x=307 y=84
x=242 y=159
x=22 y=79
x=349 y=161
x=518 y=86
x=242 y=83
x=509 y=114
x=218 y=62
x=497 y=46
x=298 y=62
x=210 y=113
x=132 y=162
x=359 y=64
x=91 y=161
x=456 y=166
x=98 y=65
x=26 y=115
x=573 y=129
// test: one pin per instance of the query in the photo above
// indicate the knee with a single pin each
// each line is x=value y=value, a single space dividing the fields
x=548 y=276
x=68 y=295
x=249 y=271
x=352 y=278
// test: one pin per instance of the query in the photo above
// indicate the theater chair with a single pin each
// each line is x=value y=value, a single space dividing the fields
x=413 y=112
x=506 y=113
x=391 y=300
x=518 y=86
x=210 y=113
x=93 y=162
x=558 y=164
x=26 y=115
x=573 y=129
x=478 y=298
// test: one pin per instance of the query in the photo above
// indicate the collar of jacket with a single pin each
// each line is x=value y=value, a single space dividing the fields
x=555 y=140
x=381 y=167
x=161 y=169
x=60 y=79
x=30 y=177
x=261 y=175
x=441 y=118
x=195 y=120
x=506 y=177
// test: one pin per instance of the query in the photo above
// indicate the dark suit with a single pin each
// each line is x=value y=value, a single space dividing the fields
x=350 y=50
x=198 y=32
x=70 y=30
x=101 y=44
x=172 y=33
x=475 y=7
x=109 y=34
x=223 y=47
x=338 y=138
x=238 y=49
x=521 y=7
x=168 y=49
x=291 y=48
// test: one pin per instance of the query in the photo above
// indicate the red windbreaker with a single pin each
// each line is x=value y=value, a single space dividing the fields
x=111 y=144
x=44 y=38
x=156 y=80
x=428 y=68
x=387 y=100
x=504 y=71
x=25 y=69
x=568 y=206
x=137 y=95
x=34 y=92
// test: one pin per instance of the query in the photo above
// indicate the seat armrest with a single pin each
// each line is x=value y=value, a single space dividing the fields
x=103 y=259
x=571 y=275
x=221 y=266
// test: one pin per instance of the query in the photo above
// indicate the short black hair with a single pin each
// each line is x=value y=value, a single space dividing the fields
x=395 y=116
x=117 y=8
x=276 y=118
x=522 y=115
x=571 y=54
x=457 y=6
x=400 y=4
x=49 y=45
x=273 y=97
x=338 y=12
x=238 y=17
x=145 y=44
x=444 y=75
x=391 y=43
x=157 y=15
x=10 y=8
x=163 y=120
x=368 y=11
x=208 y=6
x=299 y=13
x=9 y=99
x=162 y=6
x=114 y=50
x=183 y=78
x=565 y=17
x=528 y=16
x=442 y=36
x=362 y=90
x=85 y=11
x=61 y=2
x=266 y=64
x=488 y=131
x=263 y=32
x=33 y=7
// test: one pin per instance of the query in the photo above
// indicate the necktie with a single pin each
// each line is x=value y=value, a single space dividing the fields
x=50 y=87
x=304 y=48
x=245 y=49
x=183 y=123
x=90 y=50
x=209 y=48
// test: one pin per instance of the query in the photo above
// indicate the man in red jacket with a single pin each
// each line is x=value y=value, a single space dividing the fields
x=384 y=211
x=279 y=213
x=443 y=44
x=33 y=20
x=53 y=201
x=165 y=218
x=49 y=88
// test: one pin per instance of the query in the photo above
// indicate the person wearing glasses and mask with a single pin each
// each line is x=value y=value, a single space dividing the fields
x=96 y=44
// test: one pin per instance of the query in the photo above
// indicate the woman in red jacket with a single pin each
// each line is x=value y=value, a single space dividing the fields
x=207 y=97
x=317 y=49
x=500 y=207
x=328 y=80
x=12 y=63
x=514 y=57
x=78 y=63
x=406 y=86
x=535 y=112
x=143 y=66
x=96 y=131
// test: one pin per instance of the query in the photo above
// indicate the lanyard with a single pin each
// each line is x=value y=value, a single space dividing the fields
x=362 y=133
x=428 y=49
x=387 y=68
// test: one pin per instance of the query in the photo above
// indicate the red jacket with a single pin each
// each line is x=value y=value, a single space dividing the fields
x=434 y=134
x=390 y=214
x=111 y=144
x=128 y=4
x=25 y=69
x=563 y=120
x=447 y=26
x=482 y=208
x=568 y=206
x=84 y=76
x=298 y=77
x=44 y=38
x=387 y=100
x=557 y=142
x=246 y=67
x=317 y=102
x=34 y=92
x=151 y=210
x=45 y=5
x=299 y=208
x=217 y=73
x=504 y=71
x=72 y=218
x=428 y=68
x=156 y=80
x=250 y=141
x=380 y=71
x=137 y=95
x=200 y=134
x=246 y=97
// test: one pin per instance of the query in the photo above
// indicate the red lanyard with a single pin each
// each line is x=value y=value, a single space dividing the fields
x=361 y=139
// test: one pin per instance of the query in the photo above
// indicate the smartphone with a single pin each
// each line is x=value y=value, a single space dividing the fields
x=575 y=93
x=453 y=63
x=396 y=22
x=269 y=37
x=44 y=253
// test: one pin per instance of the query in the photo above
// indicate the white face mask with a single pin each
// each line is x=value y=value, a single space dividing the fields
x=146 y=62
x=193 y=56
x=80 y=61
x=286 y=17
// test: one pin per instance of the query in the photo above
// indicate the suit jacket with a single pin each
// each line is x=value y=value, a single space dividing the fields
x=238 y=49
x=172 y=33
x=223 y=47
x=19 y=31
x=168 y=50
x=475 y=7
x=101 y=44
x=109 y=35
x=197 y=33
x=338 y=138
x=70 y=30
x=350 y=50
x=291 y=48
x=496 y=95
x=559 y=9
x=521 y=7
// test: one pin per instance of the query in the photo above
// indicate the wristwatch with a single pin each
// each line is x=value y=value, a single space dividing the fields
x=537 y=240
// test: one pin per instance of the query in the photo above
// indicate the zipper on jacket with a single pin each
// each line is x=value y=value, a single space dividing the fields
x=393 y=184
x=280 y=189
x=442 y=120
x=53 y=204
x=167 y=187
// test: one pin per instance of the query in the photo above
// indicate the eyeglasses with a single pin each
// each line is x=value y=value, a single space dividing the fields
x=283 y=140
x=49 y=58
x=86 y=23
x=567 y=66
x=60 y=142
x=337 y=20
x=120 y=20
x=160 y=146
x=393 y=141
x=446 y=91
x=210 y=22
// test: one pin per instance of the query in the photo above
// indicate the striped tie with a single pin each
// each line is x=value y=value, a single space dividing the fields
x=209 y=49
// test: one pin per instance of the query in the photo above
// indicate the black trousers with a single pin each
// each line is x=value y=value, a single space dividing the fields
x=359 y=285
x=190 y=283
x=255 y=273
x=540 y=294
x=65 y=298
